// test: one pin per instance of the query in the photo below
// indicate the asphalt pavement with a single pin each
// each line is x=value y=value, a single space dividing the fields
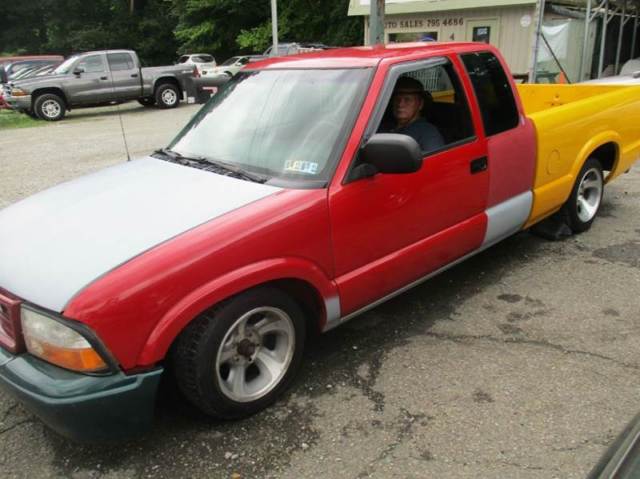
x=521 y=362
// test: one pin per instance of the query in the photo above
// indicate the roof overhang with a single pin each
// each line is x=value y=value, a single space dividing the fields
x=361 y=7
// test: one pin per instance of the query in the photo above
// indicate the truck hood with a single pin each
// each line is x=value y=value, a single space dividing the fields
x=37 y=81
x=55 y=243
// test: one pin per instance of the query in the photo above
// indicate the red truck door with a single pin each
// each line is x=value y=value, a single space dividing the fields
x=511 y=144
x=393 y=229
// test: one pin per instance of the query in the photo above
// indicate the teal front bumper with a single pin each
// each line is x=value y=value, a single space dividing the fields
x=78 y=406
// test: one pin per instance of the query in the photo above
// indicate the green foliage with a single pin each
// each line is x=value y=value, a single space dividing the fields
x=259 y=38
x=69 y=26
x=160 y=29
x=12 y=119
x=224 y=26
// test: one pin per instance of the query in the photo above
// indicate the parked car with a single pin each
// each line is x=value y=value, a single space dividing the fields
x=280 y=209
x=202 y=61
x=99 y=78
x=14 y=68
x=294 y=48
x=234 y=64
x=17 y=58
x=626 y=79
x=37 y=70
x=5 y=64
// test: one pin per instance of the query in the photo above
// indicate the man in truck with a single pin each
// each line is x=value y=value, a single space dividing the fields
x=408 y=101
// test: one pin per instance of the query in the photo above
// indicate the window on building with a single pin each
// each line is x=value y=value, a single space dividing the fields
x=413 y=37
x=442 y=117
x=493 y=92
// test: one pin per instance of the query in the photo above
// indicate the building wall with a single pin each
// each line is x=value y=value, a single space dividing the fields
x=514 y=37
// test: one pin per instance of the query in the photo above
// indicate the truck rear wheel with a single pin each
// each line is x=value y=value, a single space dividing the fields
x=237 y=358
x=49 y=107
x=167 y=96
x=583 y=204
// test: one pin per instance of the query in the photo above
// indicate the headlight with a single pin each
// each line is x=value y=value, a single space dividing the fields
x=59 y=344
x=15 y=91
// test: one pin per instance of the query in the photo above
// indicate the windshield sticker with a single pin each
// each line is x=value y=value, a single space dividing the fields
x=300 y=166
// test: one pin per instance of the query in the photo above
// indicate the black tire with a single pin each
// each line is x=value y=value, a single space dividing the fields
x=167 y=96
x=577 y=217
x=147 y=101
x=229 y=74
x=32 y=114
x=49 y=107
x=198 y=352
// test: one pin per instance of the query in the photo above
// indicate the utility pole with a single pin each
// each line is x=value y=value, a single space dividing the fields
x=536 y=43
x=376 y=22
x=274 y=27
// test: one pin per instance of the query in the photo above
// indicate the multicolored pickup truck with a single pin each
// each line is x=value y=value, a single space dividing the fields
x=290 y=203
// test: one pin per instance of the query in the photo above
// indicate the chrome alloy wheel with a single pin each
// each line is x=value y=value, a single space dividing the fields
x=589 y=194
x=50 y=108
x=255 y=354
x=169 y=97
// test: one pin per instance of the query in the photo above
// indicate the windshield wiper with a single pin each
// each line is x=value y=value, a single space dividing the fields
x=212 y=165
x=180 y=158
x=238 y=170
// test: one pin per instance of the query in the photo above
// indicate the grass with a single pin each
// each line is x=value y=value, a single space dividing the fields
x=12 y=119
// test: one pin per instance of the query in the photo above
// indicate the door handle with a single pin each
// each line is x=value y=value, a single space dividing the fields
x=134 y=75
x=479 y=164
x=104 y=78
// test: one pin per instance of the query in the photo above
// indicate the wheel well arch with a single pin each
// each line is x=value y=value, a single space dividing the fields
x=43 y=91
x=302 y=292
x=307 y=297
x=608 y=154
x=306 y=283
x=166 y=81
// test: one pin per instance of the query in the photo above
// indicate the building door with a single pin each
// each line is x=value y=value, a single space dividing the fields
x=485 y=31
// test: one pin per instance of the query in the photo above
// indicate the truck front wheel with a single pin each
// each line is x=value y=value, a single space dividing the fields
x=583 y=204
x=237 y=358
x=167 y=96
x=49 y=107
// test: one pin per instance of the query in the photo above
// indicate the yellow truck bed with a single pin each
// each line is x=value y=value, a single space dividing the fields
x=573 y=123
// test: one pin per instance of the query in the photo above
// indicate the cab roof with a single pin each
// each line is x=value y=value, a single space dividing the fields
x=368 y=56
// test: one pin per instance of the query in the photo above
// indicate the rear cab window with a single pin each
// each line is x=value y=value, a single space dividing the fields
x=120 y=61
x=493 y=92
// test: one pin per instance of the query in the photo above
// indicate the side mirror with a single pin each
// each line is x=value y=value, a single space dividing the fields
x=78 y=70
x=389 y=153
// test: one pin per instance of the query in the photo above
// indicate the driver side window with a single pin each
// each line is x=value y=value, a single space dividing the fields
x=429 y=105
x=92 y=64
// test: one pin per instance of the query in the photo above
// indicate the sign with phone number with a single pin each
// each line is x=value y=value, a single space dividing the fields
x=426 y=22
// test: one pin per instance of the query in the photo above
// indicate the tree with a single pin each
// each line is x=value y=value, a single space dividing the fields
x=223 y=26
x=212 y=25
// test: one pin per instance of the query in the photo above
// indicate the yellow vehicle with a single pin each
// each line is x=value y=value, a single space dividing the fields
x=574 y=123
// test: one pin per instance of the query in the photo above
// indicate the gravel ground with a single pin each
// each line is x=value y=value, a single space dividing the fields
x=521 y=362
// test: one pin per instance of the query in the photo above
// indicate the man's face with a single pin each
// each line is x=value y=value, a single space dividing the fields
x=406 y=106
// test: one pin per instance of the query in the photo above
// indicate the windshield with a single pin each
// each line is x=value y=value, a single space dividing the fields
x=230 y=61
x=203 y=59
x=286 y=124
x=65 y=65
